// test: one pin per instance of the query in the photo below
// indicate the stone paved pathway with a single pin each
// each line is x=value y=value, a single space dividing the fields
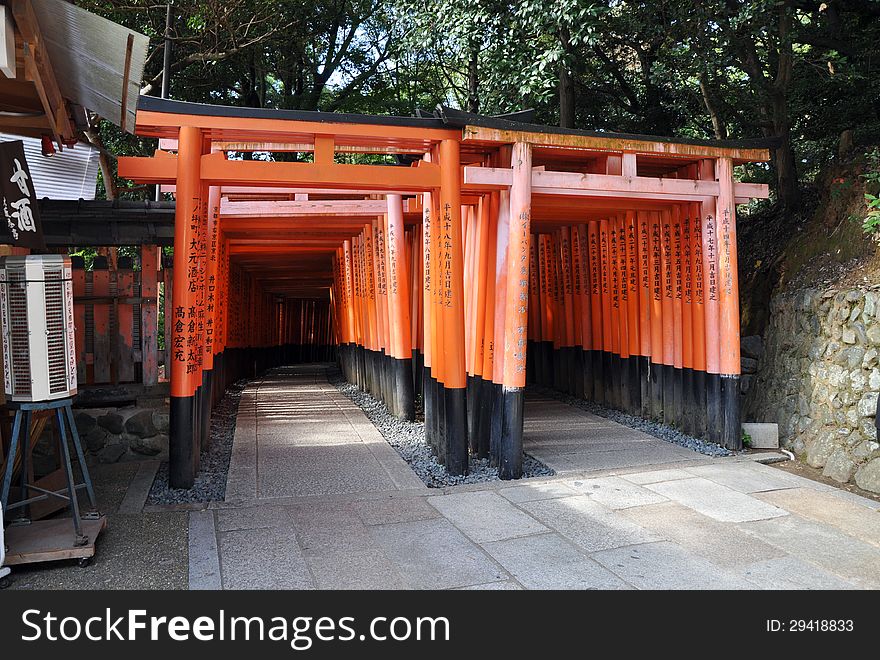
x=317 y=499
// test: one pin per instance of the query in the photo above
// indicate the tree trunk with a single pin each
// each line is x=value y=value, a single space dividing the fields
x=788 y=187
x=566 y=83
x=566 y=97
x=473 y=101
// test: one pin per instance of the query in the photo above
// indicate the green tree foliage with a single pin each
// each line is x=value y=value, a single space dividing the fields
x=799 y=72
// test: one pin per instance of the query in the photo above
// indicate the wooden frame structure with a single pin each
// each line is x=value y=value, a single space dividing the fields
x=491 y=254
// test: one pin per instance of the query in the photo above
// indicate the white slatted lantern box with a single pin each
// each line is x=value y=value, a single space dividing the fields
x=36 y=311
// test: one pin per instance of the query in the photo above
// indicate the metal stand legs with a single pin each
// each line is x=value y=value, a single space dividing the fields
x=66 y=427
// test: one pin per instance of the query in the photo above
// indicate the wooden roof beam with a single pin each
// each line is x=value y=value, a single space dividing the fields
x=606 y=185
x=38 y=69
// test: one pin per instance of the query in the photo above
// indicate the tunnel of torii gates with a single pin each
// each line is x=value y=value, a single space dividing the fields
x=473 y=256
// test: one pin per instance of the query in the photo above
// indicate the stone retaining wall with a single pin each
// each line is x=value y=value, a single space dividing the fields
x=109 y=435
x=819 y=378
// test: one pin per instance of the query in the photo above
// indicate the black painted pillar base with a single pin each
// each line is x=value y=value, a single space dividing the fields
x=643 y=367
x=577 y=371
x=456 y=431
x=635 y=388
x=181 y=442
x=688 y=406
x=402 y=389
x=713 y=407
x=614 y=369
x=731 y=424
x=206 y=405
x=656 y=378
x=597 y=363
x=547 y=363
x=511 y=454
x=698 y=395
x=430 y=408
x=495 y=429
x=484 y=417
x=626 y=385
x=668 y=394
x=677 y=397
x=442 y=434
x=417 y=366
x=608 y=379
x=472 y=394
x=586 y=371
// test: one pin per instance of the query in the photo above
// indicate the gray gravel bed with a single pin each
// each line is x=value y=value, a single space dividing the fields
x=660 y=431
x=210 y=482
x=408 y=439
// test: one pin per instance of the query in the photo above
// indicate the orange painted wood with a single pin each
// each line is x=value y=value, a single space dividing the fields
x=452 y=270
x=567 y=285
x=502 y=254
x=656 y=289
x=643 y=222
x=614 y=284
x=212 y=269
x=397 y=281
x=577 y=287
x=687 y=280
x=517 y=292
x=187 y=223
x=678 y=289
x=487 y=340
x=668 y=288
x=728 y=288
x=123 y=342
x=102 y=349
x=79 y=320
x=149 y=314
x=632 y=283
x=582 y=244
x=623 y=278
x=597 y=310
x=710 y=278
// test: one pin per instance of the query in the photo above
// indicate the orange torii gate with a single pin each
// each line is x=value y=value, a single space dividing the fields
x=485 y=254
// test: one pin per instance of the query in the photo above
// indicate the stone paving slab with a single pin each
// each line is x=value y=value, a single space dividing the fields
x=666 y=565
x=615 y=492
x=537 y=491
x=388 y=510
x=204 y=556
x=588 y=524
x=252 y=517
x=656 y=476
x=485 y=516
x=263 y=559
x=851 y=518
x=716 y=501
x=433 y=554
x=332 y=527
x=548 y=561
x=822 y=545
x=722 y=543
x=503 y=585
x=746 y=477
x=355 y=569
x=637 y=454
x=787 y=573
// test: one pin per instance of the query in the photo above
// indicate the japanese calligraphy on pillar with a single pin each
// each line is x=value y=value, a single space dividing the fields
x=632 y=254
x=668 y=286
x=426 y=243
x=615 y=266
x=446 y=256
x=687 y=259
x=725 y=266
x=19 y=200
x=697 y=260
x=676 y=257
x=657 y=292
x=712 y=257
